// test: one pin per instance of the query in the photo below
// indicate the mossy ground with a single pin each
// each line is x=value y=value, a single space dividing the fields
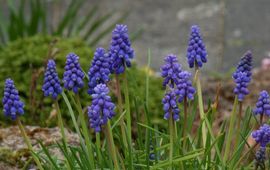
x=24 y=61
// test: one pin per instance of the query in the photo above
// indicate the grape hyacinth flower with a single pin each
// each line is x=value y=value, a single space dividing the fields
x=120 y=49
x=102 y=107
x=242 y=82
x=263 y=104
x=99 y=71
x=245 y=65
x=170 y=71
x=73 y=75
x=184 y=87
x=12 y=105
x=196 y=51
x=51 y=84
x=170 y=105
x=262 y=135
x=260 y=157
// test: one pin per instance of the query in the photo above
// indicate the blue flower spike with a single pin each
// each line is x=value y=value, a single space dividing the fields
x=99 y=71
x=102 y=108
x=170 y=71
x=120 y=49
x=73 y=75
x=196 y=51
x=241 y=82
x=244 y=65
x=12 y=105
x=51 y=84
x=263 y=104
x=262 y=135
x=242 y=76
x=184 y=87
x=170 y=105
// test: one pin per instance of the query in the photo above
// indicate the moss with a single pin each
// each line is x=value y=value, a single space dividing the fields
x=24 y=60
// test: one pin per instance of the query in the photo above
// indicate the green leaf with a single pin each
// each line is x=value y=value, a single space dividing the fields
x=107 y=30
x=118 y=120
x=86 y=19
x=46 y=151
x=188 y=156
x=69 y=16
x=96 y=24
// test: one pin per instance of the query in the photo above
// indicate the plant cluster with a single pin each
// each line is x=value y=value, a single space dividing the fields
x=107 y=137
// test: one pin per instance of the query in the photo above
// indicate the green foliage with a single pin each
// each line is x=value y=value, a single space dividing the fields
x=30 y=17
x=24 y=61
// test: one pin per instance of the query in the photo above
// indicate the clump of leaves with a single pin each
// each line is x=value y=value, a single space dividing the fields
x=28 y=18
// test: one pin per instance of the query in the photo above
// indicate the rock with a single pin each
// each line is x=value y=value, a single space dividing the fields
x=14 y=152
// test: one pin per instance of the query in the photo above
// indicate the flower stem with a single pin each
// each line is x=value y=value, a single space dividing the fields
x=200 y=100
x=185 y=119
x=231 y=130
x=171 y=127
x=239 y=115
x=261 y=119
x=28 y=143
x=111 y=146
x=128 y=114
x=98 y=149
x=128 y=117
x=238 y=124
x=120 y=109
x=85 y=131
x=60 y=121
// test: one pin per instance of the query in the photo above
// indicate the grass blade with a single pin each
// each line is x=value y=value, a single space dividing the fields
x=96 y=24
x=46 y=151
x=107 y=30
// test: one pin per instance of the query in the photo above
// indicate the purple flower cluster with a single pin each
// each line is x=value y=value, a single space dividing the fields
x=242 y=82
x=99 y=71
x=196 y=51
x=184 y=86
x=260 y=157
x=120 y=49
x=242 y=76
x=263 y=104
x=73 y=75
x=245 y=65
x=262 y=135
x=101 y=108
x=13 y=106
x=51 y=84
x=179 y=83
x=170 y=105
x=170 y=71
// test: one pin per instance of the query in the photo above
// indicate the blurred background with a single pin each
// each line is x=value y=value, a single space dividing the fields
x=229 y=27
